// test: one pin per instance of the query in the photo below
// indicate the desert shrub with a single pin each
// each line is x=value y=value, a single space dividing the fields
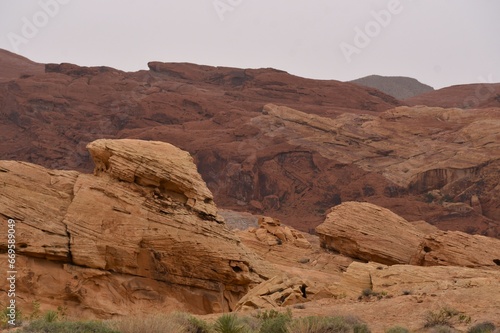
x=35 y=314
x=5 y=317
x=367 y=292
x=442 y=317
x=356 y=324
x=273 y=321
x=397 y=329
x=276 y=324
x=190 y=323
x=50 y=316
x=327 y=325
x=149 y=323
x=306 y=325
x=442 y=329
x=484 y=327
x=42 y=326
x=251 y=323
x=228 y=323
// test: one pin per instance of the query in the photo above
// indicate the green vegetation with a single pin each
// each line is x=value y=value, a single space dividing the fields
x=228 y=323
x=268 y=321
x=484 y=327
x=397 y=329
x=327 y=325
x=42 y=326
x=274 y=321
x=368 y=293
x=445 y=317
x=5 y=317
x=151 y=324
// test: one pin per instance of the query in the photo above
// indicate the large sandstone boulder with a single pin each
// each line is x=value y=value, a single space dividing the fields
x=143 y=227
x=454 y=248
x=368 y=232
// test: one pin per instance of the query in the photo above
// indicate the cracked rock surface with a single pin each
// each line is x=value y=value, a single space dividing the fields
x=143 y=231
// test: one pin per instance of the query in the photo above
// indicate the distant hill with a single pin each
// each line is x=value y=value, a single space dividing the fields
x=399 y=87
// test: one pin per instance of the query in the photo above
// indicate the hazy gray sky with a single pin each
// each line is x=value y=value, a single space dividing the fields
x=438 y=42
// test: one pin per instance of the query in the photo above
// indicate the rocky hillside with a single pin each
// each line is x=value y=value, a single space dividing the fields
x=14 y=66
x=267 y=142
x=142 y=235
x=399 y=87
x=467 y=96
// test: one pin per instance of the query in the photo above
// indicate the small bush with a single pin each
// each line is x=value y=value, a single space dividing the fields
x=316 y=324
x=41 y=326
x=275 y=325
x=367 y=292
x=190 y=323
x=150 y=324
x=397 y=329
x=357 y=325
x=274 y=321
x=5 y=317
x=484 y=327
x=252 y=323
x=35 y=314
x=50 y=316
x=228 y=323
x=442 y=317
x=442 y=329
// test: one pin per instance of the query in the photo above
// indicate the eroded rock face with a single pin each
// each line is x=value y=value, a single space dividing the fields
x=272 y=233
x=454 y=248
x=282 y=290
x=142 y=226
x=368 y=232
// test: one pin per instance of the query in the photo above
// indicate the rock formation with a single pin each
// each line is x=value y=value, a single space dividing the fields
x=367 y=232
x=271 y=232
x=281 y=291
x=253 y=147
x=454 y=248
x=370 y=233
x=143 y=231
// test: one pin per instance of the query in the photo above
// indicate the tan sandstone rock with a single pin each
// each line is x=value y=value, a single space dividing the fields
x=368 y=232
x=455 y=248
x=144 y=226
x=272 y=233
x=282 y=290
